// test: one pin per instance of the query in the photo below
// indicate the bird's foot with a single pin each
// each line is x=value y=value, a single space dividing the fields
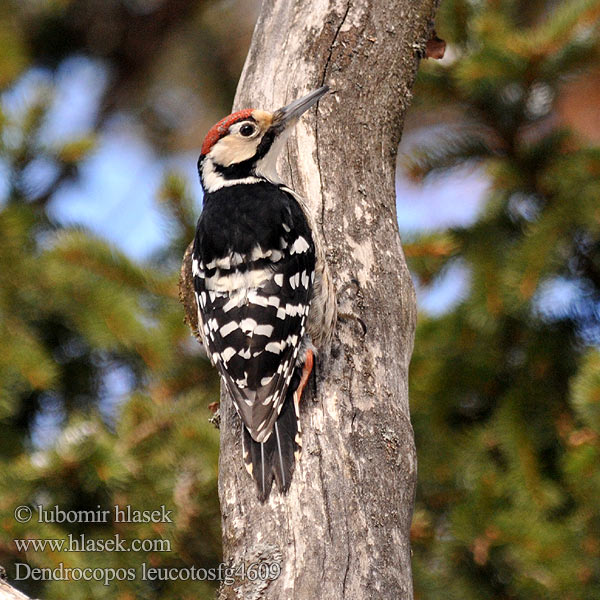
x=347 y=315
x=214 y=408
x=346 y=286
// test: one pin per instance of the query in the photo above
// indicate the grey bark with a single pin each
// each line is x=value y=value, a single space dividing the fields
x=7 y=592
x=342 y=531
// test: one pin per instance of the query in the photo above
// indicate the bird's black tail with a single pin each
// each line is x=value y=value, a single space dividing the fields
x=276 y=457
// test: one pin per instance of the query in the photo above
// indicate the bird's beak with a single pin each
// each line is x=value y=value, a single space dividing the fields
x=289 y=114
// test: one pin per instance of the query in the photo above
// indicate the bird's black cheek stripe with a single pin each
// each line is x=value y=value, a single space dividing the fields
x=266 y=143
x=239 y=170
x=245 y=168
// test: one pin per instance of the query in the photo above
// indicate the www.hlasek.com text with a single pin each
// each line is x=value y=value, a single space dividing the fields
x=83 y=543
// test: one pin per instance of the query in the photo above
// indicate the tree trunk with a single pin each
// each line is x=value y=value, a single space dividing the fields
x=342 y=531
x=7 y=592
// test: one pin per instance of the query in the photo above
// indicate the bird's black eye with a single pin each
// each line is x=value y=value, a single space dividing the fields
x=247 y=130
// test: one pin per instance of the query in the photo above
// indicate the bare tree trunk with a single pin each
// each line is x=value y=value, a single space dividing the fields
x=343 y=529
x=7 y=592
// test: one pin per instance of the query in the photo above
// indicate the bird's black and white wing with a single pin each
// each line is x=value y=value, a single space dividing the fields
x=253 y=280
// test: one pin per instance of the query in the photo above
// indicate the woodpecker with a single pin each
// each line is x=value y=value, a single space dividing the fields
x=265 y=296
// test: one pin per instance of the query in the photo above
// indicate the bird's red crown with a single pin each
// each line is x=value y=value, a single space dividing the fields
x=222 y=127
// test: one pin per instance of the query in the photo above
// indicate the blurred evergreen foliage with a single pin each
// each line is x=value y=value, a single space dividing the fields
x=80 y=325
x=505 y=386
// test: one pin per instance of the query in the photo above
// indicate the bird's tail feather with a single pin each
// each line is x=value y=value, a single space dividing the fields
x=275 y=458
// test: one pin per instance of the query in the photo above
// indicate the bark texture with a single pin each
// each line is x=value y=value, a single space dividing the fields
x=342 y=531
x=7 y=592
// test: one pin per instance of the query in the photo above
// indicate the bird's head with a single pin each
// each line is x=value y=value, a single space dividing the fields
x=243 y=147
